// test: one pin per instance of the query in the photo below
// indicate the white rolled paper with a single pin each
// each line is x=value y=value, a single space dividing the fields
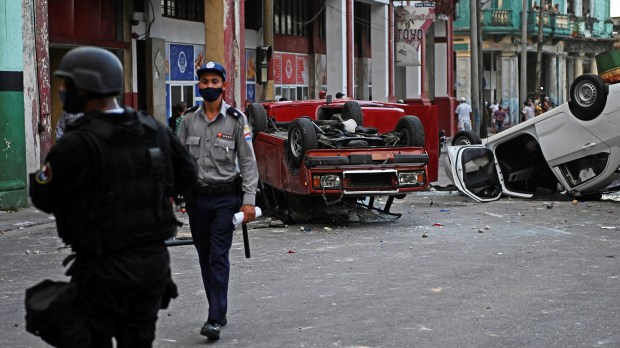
x=238 y=218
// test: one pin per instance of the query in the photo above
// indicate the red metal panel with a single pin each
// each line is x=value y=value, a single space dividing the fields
x=84 y=22
x=61 y=16
x=88 y=19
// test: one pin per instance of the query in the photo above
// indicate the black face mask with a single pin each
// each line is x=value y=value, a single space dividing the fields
x=72 y=101
x=210 y=94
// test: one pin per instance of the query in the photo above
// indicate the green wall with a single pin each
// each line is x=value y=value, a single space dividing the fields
x=13 y=178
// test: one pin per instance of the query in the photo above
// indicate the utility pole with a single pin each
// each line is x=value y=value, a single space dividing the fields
x=268 y=88
x=523 y=69
x=539 y=47
x=475 y=76
x=480 y=58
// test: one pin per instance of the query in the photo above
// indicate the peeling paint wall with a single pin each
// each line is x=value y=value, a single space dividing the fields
x=44 y=126
x=31 y=91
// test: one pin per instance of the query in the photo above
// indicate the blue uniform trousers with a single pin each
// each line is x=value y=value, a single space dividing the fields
x=210 y=221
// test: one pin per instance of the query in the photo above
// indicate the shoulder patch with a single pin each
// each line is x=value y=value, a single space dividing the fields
x=44 y=175
x=247 y=133
x=233 y=112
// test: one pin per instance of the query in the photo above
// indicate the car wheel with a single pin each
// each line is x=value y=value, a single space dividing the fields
x=588 y=96
x=413 y=131
x=353 y=111
x=257 y=116
x=301 y=138
x=466 y=138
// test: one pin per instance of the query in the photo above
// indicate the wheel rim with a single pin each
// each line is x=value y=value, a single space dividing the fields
x=462 y=141
x=586 y=94
x=296 y=143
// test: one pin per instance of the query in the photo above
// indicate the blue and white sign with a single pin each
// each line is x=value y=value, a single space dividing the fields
x=181 y=62
x=251 y=92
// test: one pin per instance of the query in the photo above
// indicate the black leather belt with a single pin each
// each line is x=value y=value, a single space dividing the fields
x=217 y=189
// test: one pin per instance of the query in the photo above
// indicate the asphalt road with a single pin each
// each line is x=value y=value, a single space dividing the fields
x=449 y=273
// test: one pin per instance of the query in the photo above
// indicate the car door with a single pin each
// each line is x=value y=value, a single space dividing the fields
x=474 y=172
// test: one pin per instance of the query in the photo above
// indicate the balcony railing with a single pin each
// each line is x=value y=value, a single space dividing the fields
x=497 y=18
x=507 y=21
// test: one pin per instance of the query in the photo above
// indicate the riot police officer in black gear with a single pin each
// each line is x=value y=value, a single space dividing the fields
x=109 y=182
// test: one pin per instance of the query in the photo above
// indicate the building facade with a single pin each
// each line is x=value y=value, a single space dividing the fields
x=574 y=32
x=270 y=48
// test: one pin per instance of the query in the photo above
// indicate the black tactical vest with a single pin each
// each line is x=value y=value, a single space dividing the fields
x=130 y=206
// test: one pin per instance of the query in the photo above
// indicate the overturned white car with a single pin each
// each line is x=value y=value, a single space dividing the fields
x=573 y=149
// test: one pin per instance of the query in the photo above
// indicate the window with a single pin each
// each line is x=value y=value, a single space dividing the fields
x=289 y=17
x=191 y=10
x=253 y=14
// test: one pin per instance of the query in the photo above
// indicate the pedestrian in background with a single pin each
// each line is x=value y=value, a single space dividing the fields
x=499 y=116
x=463 y=112
x=108 y=182
x=177 y=115
x=528 y=111
x=220 y=139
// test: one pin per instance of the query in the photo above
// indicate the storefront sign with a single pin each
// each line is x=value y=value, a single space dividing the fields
x=411 y=24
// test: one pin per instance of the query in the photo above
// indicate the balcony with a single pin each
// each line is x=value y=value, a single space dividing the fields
x=499 y=22
x=557 y=25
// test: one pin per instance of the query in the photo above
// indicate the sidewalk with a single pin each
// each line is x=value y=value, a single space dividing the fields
x=23 y=218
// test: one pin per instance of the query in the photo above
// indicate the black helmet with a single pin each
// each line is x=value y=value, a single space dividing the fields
x=93 y=70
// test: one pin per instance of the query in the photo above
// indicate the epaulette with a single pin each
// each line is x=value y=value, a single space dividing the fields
x=233 y=112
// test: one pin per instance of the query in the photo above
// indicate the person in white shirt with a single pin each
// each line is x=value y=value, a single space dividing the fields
x=463 y=111
x=528 y=111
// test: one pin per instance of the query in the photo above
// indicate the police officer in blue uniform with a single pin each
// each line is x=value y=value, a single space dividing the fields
x=219 y=138
x=109 y=182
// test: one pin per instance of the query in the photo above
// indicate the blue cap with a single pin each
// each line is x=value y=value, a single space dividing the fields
x=212 y=67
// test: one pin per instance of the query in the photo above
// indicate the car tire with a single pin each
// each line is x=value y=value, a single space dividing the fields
x=413 y=129
x=257 y=117
x=301 y=138
x=588 y=96
x=352 y=110
x=466 y=138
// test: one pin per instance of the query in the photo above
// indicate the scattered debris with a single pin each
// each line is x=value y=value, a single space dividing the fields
x=328 y=229
x=608 y=227
x=292 y=252
x=575 y=202
x=480 y=231
x=424 y=235
x=436 y=290
x=438 y=224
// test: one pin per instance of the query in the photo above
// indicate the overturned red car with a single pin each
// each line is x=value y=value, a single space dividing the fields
x=321 y=161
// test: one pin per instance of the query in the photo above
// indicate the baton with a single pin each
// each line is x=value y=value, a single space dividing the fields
x=246 y=240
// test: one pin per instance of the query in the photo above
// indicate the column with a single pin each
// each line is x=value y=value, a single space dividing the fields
x=335 y=15
x=593 y=66
x=379 y=51
x=570 y=70
x=463 y=75
x=562 y=85
x=510 y=85
x=440 y=76
x=579 y=65
x=552 y=79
